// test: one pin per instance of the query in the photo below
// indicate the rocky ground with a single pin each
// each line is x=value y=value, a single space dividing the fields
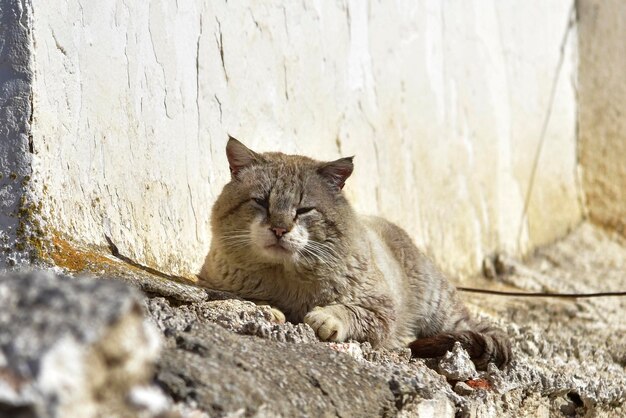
x=221 y=356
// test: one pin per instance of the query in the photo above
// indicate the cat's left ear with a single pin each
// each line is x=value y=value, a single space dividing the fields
x=239 y=156
x=337 y=172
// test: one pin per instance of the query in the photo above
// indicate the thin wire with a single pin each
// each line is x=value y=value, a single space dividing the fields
x=571 y=21
x=540 y=294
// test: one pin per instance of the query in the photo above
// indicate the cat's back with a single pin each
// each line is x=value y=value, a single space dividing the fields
x=394 y=237
x=386 y=252
x=413 y=262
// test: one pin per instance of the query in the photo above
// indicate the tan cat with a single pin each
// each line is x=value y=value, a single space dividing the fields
x=284 y=234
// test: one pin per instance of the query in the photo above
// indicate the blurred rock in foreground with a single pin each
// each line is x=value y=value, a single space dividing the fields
x=74 y=348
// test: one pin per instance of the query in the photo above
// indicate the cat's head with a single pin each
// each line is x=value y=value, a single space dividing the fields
x=282 y=208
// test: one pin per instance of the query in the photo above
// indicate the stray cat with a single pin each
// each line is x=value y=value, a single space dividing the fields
x=284 y=235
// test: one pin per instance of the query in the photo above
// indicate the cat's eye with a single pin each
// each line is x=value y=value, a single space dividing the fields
x=302 y=211
x=263 y=202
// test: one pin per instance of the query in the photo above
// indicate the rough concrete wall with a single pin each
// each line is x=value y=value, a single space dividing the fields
x=443 y=104
x=15 y=112
x=602 y=104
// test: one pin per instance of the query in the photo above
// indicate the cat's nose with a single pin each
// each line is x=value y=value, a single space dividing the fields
x=279 y=232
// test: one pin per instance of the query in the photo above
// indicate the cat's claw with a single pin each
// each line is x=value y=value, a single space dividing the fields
x=326 y=323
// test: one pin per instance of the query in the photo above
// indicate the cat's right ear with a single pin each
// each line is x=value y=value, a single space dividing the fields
x=239 y=156
x=337 y=172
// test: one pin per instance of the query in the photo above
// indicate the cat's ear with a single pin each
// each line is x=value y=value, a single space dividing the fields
x=239 y=156
x=337 y=172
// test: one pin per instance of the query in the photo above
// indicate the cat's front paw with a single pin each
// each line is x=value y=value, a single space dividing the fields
x=276 y=315
x=327 y=323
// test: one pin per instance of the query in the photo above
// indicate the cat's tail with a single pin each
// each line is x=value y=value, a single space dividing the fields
x=484 y=346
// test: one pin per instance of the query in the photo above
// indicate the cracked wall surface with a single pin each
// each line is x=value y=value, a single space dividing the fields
x=462 y=116
x=602 y=100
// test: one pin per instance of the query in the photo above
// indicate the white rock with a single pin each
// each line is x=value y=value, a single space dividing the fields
x=457 y=365
x=353 y=349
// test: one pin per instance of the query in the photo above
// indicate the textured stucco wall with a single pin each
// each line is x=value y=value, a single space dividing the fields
x=15 y=113
x=602 y=109
x=442 y=102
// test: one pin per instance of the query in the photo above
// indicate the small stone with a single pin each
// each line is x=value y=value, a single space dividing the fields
x=483 y=384
x=489 y=268
x=495 y=377
x=150 y=399
x=504 y=265
x=463 y=389
x=353 y=349
x=567 y=407
x=529 y=348
x=457 y=365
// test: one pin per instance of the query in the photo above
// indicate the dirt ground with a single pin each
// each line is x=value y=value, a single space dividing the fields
x=571 y=353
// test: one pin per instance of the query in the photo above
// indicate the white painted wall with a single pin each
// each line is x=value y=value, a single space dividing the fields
x=442 y=102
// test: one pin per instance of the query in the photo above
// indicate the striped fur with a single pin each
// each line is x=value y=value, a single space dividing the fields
x=347 y=276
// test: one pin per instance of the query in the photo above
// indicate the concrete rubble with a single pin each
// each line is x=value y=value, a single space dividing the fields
x=222 y=356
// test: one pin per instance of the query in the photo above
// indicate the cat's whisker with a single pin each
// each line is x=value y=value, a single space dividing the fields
x=236 y=242
x=316 y=258
x=323 y=245
x=235 y=246
x=326 y=256
x=320 y=256
x=308 y=254
x=325 y=250
x=324 y=253
x=303 y=254
x=236 y=235
x=236 y=239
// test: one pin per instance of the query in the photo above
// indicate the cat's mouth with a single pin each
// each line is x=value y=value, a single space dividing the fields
x=277 y=248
